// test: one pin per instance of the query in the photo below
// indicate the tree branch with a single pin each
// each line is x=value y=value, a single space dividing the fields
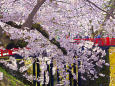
x=111 y=10
x=108 y=13
x=44 y=33
x=29 y=21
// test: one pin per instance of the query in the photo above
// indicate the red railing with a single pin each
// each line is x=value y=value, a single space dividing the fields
x=100 y=41
x=8 y=52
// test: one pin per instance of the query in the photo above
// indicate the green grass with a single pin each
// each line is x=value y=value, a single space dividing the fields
x=9 y=80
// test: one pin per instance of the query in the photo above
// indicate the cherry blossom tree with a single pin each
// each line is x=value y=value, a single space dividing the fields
x=57 y=18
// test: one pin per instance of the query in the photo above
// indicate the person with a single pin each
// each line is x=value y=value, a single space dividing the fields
x=98 y=36
x=78 y=38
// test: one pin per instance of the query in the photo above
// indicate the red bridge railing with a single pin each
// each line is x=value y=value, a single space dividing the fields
x=100 y=41
x=8 y=52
